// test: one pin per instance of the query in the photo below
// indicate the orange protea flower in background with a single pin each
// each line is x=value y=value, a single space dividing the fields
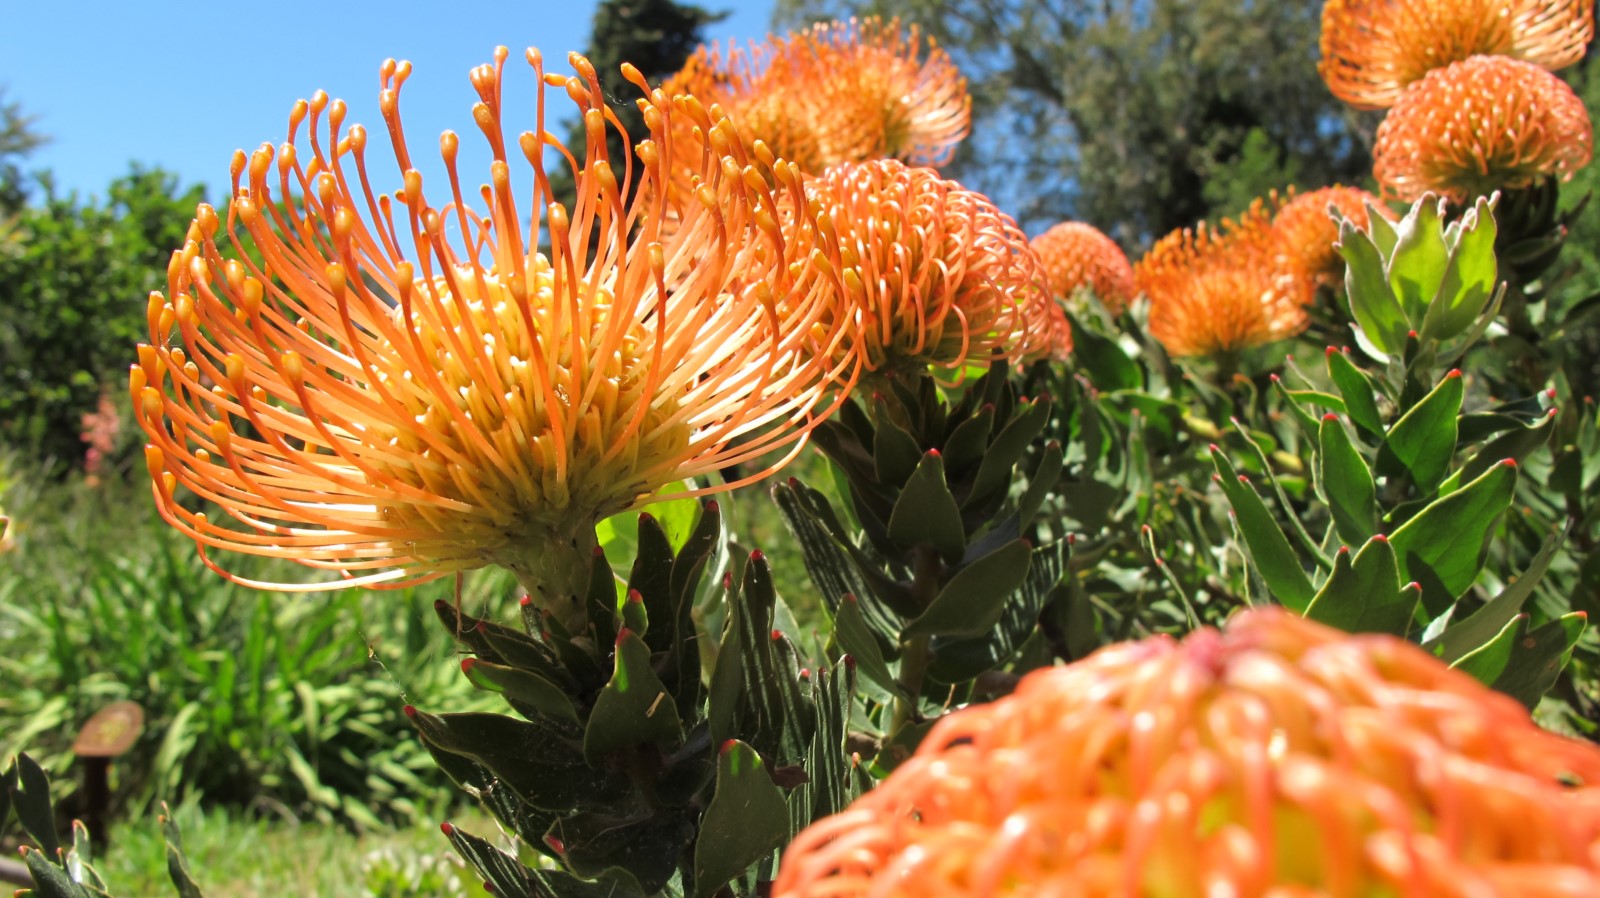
x=1216 y=291
x=1305 y=231
x=1373 y=49
x=1478 y=126
x=1078 y=256
x=398 y=390
x=1277 y=757
x=926 y=272
x=838 y=92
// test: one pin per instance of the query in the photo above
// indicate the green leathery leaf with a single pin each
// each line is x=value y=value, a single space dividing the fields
x=1363 y=595
x=521 y=686
x=1360 y=402
x=926 y=513
x=895 y=452
x=974 y=600
x=1041 y=482
x=994 y=472
x=1292 y=402
x=746 y=820
x=651 y=577
x=541 y=765
x=1269 y=548
x=505 y=873
x=1372 y=300
x=1102 y=360
x=1469 y=278
x=648 y=847
x=1478 y=628
x=1524 y=662
x=967 y=442
x=1443 y=546
x=49 y=880
x=634 y=708
x=959 y=659
x=30 y=796
x=1346 y=482
x=1423 y=441
x=856 y=639
x=1517 y=444
x=1416 y=268
x=177 y=861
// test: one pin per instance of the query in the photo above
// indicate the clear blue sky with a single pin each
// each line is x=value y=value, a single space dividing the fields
x=181 y=86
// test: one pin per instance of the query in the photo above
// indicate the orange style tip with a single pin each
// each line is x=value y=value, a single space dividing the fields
x=410 y=711
x=757 y=555
x=1510 y=463
x=1330 y=416
x=727 y=746
x=525 y=601
x=447 y=829
x=635 y=597
x=1379 y=538
x=1453 y=372
x=467 y=664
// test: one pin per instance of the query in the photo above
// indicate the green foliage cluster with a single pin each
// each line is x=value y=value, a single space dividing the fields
x=285 y=703
x=74 y=278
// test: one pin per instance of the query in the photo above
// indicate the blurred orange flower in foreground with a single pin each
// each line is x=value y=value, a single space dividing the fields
x=1275 y=758
x=374 y=384
x=1481 y=125
x=838 y=92
x=1373 y=49
x=1305 y=232
x=1216 y=291
x=1079 y=256
x=926 y=272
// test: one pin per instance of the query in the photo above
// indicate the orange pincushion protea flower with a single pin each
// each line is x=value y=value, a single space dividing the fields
x=925 y=271
x=839 y=92
x=1216 y=291
x=1480 y=125
x=1079 y=256
x=1276 y=758
x=382 y=397
x=1373 y=49
x=1305 y=232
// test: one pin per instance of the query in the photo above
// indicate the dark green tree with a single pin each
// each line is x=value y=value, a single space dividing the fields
x=73 y=294
x=1122 y=112
x=656 y=36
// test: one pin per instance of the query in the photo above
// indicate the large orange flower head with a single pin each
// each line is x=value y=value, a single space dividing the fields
x=1216 y=291
x=1306 y=232
x=839 y=92
x=1478 y=126
x=398 y=385
x=1373 y=49
x=1078 y=256
x=1275 y=758
x=926 y=272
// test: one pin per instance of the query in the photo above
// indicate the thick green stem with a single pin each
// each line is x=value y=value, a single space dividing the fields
x=555 y=574
x=914 y=658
